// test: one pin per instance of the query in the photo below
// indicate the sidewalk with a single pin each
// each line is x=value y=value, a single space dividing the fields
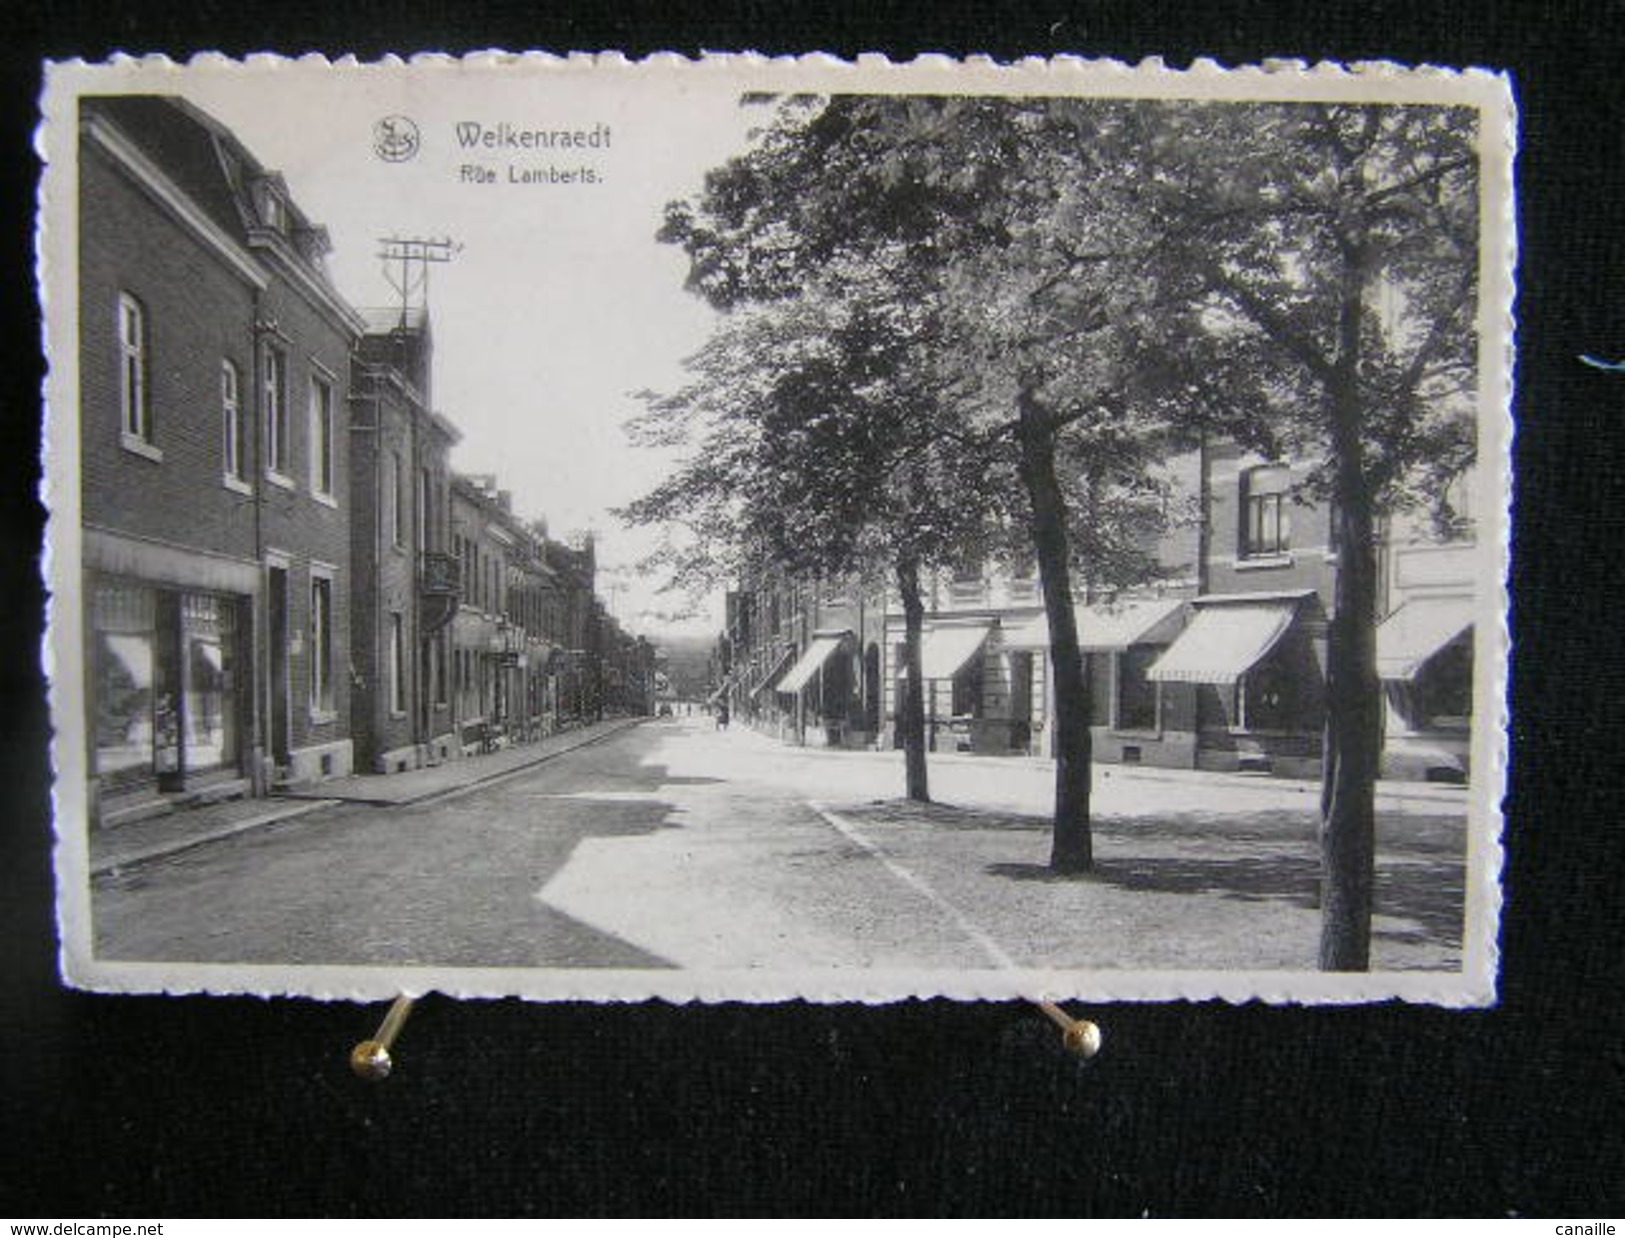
x=416 y=785
x=1009 y=768
x=125 y=846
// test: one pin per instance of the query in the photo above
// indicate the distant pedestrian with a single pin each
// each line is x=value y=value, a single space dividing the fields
x=722 y=717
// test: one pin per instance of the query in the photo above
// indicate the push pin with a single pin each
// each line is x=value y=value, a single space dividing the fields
x=1079 y=1036
x=370 y=1059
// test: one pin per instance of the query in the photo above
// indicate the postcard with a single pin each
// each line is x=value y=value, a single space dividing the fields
x=756 y=529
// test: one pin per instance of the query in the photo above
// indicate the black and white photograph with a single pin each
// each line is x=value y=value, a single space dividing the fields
x=746 y=529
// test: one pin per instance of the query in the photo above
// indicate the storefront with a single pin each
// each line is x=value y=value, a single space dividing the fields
x=820 y=685
x=1256 y=661
x=953 y=664
x=1425 y=660
x=168 y=685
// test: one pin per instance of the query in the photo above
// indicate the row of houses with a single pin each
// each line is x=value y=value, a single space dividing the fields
x=284 y=578
x=1219 y=665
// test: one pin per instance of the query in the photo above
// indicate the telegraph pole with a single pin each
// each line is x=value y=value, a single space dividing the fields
x=407 y=261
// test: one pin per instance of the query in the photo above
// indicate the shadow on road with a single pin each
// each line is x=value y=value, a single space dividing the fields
x=1259 y=856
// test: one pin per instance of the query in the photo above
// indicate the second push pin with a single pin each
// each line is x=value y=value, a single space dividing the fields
x=1079 y=1036
x=370 y=1059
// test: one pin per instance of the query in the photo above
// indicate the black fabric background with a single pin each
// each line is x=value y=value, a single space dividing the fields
x=148 y=1107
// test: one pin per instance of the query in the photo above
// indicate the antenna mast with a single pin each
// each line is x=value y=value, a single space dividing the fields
x=407 y=260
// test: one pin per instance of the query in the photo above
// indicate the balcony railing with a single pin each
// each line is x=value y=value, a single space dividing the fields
x=440 y=588
x=441 y=574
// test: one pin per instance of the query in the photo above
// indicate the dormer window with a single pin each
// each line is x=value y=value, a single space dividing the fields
x=273 y=210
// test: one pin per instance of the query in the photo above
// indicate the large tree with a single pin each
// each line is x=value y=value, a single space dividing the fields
x=814 y=447
x=1331 y=253
x=977 y=214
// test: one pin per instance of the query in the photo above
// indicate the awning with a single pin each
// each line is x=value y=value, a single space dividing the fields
x=1104 y=628
x=773 y=673
x=1224 y=642
x=1416 y=631
x=944 y=650
x=811 y=660
x=1028 y=634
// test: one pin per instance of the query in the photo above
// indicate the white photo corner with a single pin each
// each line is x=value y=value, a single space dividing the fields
x=749 y=529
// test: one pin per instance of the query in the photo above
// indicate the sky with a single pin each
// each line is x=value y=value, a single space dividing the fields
x=558 y=305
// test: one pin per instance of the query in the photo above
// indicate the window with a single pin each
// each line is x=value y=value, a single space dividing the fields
x=967 y=700
x=966 y=587
x=1455 y=515
x=136 y=423
x=425 y=498
x=321 y=437
x=440 y=697
x=1136 y=705
x=1444 y=687
x=321 y=643
x=1267 y=701
x=275 y=398
x=1265 y=519
x=397 y=664
x=274 y=210
x=231 y=426
x=397 y=514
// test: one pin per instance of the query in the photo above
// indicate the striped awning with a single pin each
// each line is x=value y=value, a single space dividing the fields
x=945 y=649
x=775 y=669
x=1225 y=641
x=1107 y=627
x=824 y=644
x=1416 y=631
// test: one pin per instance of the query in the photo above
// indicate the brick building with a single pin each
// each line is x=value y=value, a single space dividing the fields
x=512 y=668
x=214 y=358
x=1217 y=663
x=406 y=586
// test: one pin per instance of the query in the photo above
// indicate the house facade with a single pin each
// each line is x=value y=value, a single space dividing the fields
x=213 y=423
x=406 y=585
x=1218 y=663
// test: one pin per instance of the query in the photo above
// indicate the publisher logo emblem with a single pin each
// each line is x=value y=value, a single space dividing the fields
x=395 y=139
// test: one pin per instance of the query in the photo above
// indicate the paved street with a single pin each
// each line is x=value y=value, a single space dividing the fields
x=671 y=845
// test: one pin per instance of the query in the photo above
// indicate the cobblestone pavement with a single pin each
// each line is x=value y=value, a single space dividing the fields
x=672 y=845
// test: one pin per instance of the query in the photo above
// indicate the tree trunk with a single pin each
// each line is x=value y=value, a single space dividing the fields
x=1072 y=848
x=1353 y=737
x=911 y=717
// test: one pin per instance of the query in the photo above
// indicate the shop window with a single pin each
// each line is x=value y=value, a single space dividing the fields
x=1265 y=700
x=967 y=695
x=135 y=405
x=1265 y=511
x=234 y=444
x=321 y=437
x=1136 y=695
x=164 y=690
x=209 y=673
x=275 y=405
x=1443 y=692
x=321 y=643
x=124 y=666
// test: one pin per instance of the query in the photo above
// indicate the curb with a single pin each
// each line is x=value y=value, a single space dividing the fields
x=446 y=793
x=298 y=806
x=159 y=851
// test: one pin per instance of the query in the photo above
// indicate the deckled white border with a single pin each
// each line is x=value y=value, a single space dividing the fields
x=1285 y=80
